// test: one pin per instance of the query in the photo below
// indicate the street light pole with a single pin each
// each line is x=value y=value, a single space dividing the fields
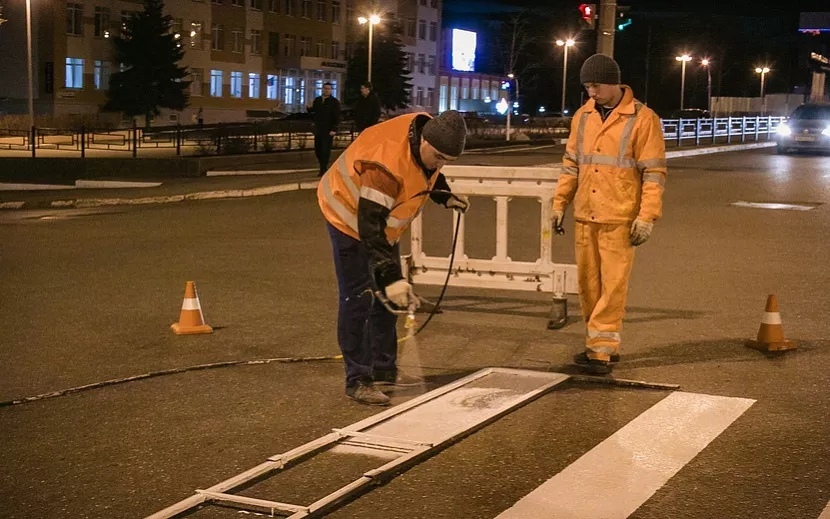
x=685 y=58
x=29 y=63
x=564 y=43
x=372 y=21
x=763 y=71
x=706 y=63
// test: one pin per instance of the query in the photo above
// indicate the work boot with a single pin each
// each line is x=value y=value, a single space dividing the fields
x=397 y=378
x=594 y=366
x=366 y=393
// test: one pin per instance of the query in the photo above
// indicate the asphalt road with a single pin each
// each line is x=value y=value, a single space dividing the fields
x=89 y=295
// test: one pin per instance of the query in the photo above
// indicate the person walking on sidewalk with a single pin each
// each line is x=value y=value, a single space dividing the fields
x=614 y=170
x=369 y=196
x=366 y=108
x=326 y=110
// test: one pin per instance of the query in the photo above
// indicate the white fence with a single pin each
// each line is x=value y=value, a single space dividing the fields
x=500 y=271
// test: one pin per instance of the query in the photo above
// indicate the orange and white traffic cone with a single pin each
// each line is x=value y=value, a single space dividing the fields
x=191 y=320
x=771 y=332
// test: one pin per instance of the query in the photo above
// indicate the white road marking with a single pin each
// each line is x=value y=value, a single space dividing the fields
x=631 y=465
x=774 y=205
x=826 y=513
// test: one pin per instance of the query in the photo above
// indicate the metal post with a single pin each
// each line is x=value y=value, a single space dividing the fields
x=509 y=111
x=178 y=139
x=605 y=32
x=29 y=63
x=682 y=82
x=729 y=130
x=135 y=138
x=33 y=140
x=564 y=80
x=697 y=132
x=83 y=142
x=709 y=90
x=370 y=50
x=743 y=129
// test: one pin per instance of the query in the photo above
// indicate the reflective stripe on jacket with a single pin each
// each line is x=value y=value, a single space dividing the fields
x=614 y=171
x=385 y=145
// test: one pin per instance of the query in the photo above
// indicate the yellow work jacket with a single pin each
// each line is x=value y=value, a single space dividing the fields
x=384 y=145
x=614 y=171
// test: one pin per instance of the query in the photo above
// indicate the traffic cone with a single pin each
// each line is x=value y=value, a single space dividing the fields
x=771 y=333
x=191 y=320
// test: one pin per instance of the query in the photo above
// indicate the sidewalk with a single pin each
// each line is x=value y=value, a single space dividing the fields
x=245 y=183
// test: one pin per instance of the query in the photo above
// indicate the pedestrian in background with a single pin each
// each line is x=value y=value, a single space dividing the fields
x=377 y=186
x=614 y=170
x=326 y=111
x=366 y=108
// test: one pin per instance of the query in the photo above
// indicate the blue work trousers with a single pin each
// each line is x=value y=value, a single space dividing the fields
x=366 y=330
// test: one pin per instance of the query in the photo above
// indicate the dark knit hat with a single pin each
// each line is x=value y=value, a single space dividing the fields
x=447 y=133
x=600 y=68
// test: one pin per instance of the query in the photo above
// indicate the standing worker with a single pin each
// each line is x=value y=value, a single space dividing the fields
x=366 y=108
x=614 y=168
x=369 y=196
x=326 y=110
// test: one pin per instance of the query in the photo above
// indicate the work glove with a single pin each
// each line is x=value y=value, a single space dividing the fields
x=640 y=231
x=458 y=203
x=400 y=293
x=558 y=219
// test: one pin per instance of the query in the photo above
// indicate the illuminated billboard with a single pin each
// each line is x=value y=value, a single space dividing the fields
x=463 y=50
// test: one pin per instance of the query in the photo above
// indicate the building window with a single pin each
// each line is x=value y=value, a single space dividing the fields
x=410 y=62
x=494 y=93
x=102 y=22
x=196 y=78
x=305 y=8
x=350 y=12
x=289 y=7
x=273 y=44
x=428 y=102
x=274 y=6
x=271 y=84
x=125 y=18
x=236 y=84
x=305 y=45
x=216 y=37
x=422 y=29
x=318 y=88
x=453 y=97
x=256 y=42
x=335 y=50
x=288 y=91
x=238 y=40
x=431 y=66
x=74 y=73
x=410 y=27
x=421 y=63
x=321 y=49
x=176 y=27
x=474 y=89
x=419 y=96
x=216 y=83
x=335 y=12
x=75 y=19
x=289 y=44
x=433 y=31
x=195 y=34
x=101 y=75
x=216 y=2
x=253 y=85
x=256 y=5
x=442 y=102
x=238 y=3
x=321 y=10
x=348 y=50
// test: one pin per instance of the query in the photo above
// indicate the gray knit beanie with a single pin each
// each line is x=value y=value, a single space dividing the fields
x=447 y=133
x=600 y=68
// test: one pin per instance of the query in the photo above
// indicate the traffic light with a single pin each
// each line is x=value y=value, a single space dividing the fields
x=623 y=20
x=588 y=12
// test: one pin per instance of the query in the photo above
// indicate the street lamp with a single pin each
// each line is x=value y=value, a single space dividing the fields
x=372 y=21
x=763 y=71
x=685 y=58
x=510 y=102
x=565 y=43
x=706 y=62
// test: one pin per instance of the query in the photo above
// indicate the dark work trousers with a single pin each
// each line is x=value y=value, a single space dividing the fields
x=365 y=329
x=322 y=149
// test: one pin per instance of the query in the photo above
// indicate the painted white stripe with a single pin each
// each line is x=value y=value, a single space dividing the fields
x=191 y=304
x=11 y=205
x=112 y=184
x=32 y=187
x=218 y=173
x=631 y=465
x=771 y=318
x=774 y=205
x=826 y=513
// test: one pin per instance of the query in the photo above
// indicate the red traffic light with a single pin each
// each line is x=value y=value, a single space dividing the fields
x=588 y=12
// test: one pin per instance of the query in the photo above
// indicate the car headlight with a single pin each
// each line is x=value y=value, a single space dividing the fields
x=826 y=131
x=784 y=130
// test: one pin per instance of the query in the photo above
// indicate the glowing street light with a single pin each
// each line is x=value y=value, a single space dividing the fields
x=685 y=58
x=372 y=21
x=706 y=62
x=763 y=71
x=565 y=43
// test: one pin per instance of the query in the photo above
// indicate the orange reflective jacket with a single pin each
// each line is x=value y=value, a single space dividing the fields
x=614 y=171
x=384 y=145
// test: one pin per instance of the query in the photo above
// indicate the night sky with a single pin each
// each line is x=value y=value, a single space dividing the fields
x=736 y=35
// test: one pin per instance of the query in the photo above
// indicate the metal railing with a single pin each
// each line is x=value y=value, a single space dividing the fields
x=283 y=135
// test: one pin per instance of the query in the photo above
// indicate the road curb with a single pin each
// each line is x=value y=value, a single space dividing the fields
x=282 y=188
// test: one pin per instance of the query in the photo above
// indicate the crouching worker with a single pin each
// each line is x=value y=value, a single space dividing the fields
x=369 y=197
